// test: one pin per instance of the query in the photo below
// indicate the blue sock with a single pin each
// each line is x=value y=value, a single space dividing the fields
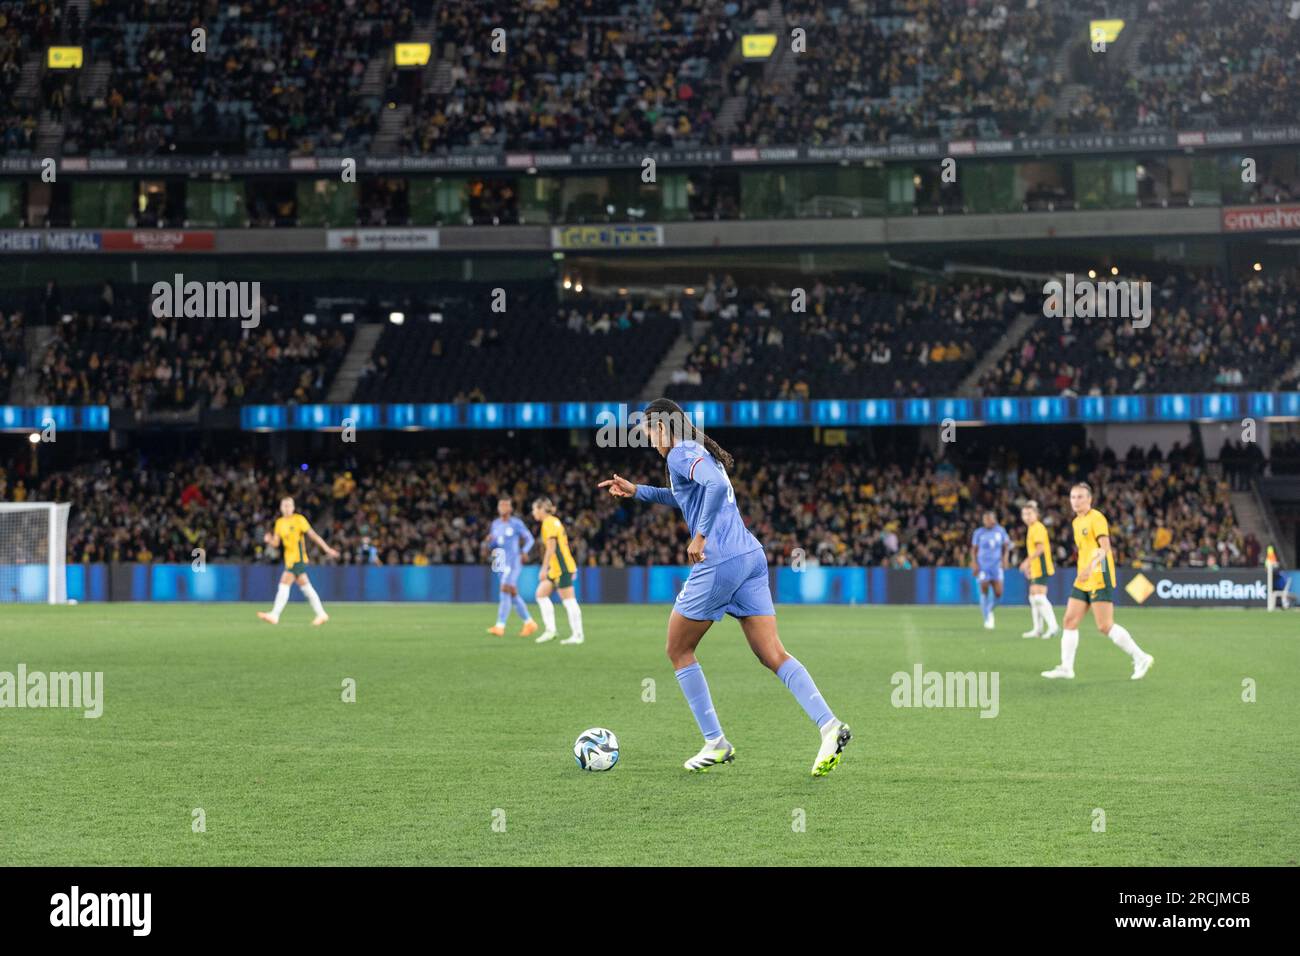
x=503 y=608
x=984 y=602
x=696 y=689
x=800 y=683
x=521 y=608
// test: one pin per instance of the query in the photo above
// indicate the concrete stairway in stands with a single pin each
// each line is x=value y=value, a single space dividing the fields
x=1253 y=519
x=675 y=358
x=363 y=344
x=1010 y=339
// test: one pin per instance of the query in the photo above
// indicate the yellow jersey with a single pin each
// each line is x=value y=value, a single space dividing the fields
x=552 y=527
x=1088 y=530
x=1041 y=566
x=292 y=532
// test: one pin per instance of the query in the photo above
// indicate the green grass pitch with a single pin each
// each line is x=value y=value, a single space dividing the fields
x=453 y=731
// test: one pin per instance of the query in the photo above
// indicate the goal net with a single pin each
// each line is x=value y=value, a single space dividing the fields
x=33 y=552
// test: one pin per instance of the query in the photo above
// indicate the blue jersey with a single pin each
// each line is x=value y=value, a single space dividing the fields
x=511 y=536
x=990 y=544
x=699 y=487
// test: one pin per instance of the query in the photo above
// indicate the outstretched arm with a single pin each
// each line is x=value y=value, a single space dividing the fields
x=620 y=487
x=658 y=496
x=320 y=543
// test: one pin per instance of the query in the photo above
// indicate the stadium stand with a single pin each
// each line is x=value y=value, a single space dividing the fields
x=1196 y=69
x=13 y=351
x=921 y=69
x=635 y=73
x=1206 y=334
x=175 y=363
x=851 y=341
x=160 y=97
x=540 y=347
x=850 y=507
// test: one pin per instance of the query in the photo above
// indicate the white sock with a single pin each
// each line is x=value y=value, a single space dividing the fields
x=312 y=597
x=1045 y=612
x=1069 y=644
x=575 y=616
x=548 y=613
x=1124 y=641
x=281 y=599
x=1033 y=612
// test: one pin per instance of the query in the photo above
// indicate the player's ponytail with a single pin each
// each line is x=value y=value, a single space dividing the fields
x=668 y=413
x=546 y=504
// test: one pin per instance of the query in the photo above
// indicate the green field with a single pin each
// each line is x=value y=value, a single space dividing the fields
x=206 y=707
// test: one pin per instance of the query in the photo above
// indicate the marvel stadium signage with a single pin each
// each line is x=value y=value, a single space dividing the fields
x=480 y=159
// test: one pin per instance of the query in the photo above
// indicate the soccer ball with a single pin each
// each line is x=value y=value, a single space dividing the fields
x=596 y=749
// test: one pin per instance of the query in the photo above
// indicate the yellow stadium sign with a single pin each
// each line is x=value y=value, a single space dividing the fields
x=622 y=236
x=1140 y=588
x=1105 y=31
x=757 y=46
x=411 y=54
x=64 y=58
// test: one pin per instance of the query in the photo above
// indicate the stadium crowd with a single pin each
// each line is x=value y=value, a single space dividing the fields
x=1206 y=334
x=848 y=341
x=13 y=351
x=540 y=347
x=844 y=508
x=918 y=68
x=832 y=339
x=1196 y=68
x=27 y=28
x=631 y=73
x=122 y=362
x=273 y=75
x=605 y=73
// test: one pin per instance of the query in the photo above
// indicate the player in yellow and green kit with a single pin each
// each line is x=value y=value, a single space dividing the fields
x=1094 y=587
x=557 y=571
x=1038 y=568
x=290 y=534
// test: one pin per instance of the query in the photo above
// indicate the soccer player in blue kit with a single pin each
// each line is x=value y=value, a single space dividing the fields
x=988 y=548
x=509 y=540
x=728 y=576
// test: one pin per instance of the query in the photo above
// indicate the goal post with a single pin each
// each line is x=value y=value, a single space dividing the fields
x=34 y=552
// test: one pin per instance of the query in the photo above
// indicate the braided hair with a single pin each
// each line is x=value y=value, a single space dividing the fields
x=680 y=427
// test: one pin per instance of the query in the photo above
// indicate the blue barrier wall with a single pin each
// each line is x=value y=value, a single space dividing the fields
x=464 y=583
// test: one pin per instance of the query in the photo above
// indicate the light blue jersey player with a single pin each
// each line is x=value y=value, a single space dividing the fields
x=728 y=576
x=509 y=541
x=989 y=546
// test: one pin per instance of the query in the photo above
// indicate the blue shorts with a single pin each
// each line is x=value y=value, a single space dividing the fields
x=737 y=586
x=991 y=574
x=510 y=574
